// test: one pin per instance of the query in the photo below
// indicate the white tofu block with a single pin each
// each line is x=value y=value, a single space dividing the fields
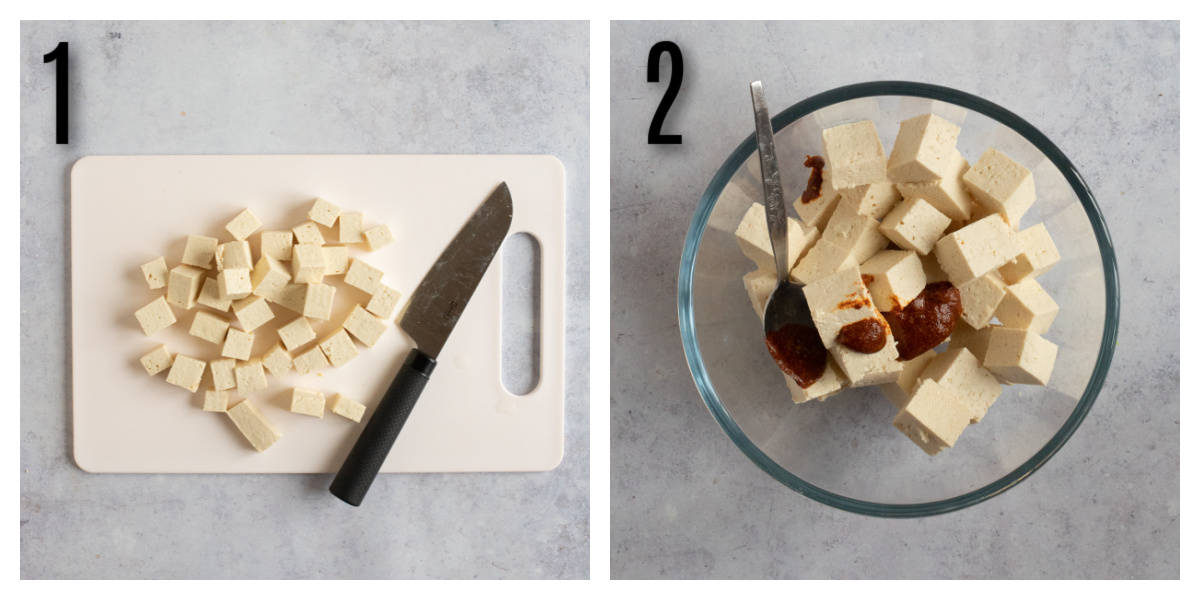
x=308 y=402
x=933 y=271
x=217 y=400
x=854 y=155
x=924 y=148
x=237 y=344
x=308 y=233
x=894 y=278
x=186 y=372
x=338 y=348
x=364 y=327
x=914 y=224
x=831 y=382
x=155 y=273
x=250 y=377
x=222 y=373
x=291 y=297
x=869 y=369
x=975 y=340
x=980 y=247
x=961 y=372
x=296 y=333
x=337 y=259
x=363 y=276
x=244 y=224
x=277 y=361
x=324 y=212
x=253 y=425
x=308 y=263
x=276 y=244
x=933 y=418
x=383 y=302
x=234 y=255
x=252 y=312
x=755 y=242
x=1027 y=306
x=1001 y=185
x=210 y=296
x=155 y=316
x=815 y=212
x=198 y=251
x=824 y=259
x=209 y=327
x=875 y=200
x=836 y=301
x=269 y=278
x=1038 y=253
x=348 y=408
x=156 y=361
x=378 y=237
x=980 y=297
x=183 y=286
x=234 y=284
x=310 y=361
x=1020 y=356
x=900 y=391
x=318 y=301
x=759 y=286
x=350 y=228
x=859 y=232
x=948 y=193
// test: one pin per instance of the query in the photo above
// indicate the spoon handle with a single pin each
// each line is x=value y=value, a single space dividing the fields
x=772 y=186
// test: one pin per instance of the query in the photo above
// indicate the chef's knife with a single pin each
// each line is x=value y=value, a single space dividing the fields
x=430 y=317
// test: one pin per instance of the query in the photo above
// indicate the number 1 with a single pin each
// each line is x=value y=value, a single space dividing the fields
x=59 y=57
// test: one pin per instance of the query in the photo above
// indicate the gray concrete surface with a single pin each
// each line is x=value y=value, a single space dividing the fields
x=305 y=87
x=686 y=503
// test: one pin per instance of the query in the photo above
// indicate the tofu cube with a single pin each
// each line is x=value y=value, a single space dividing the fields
x=324 y=212
x=337 y=259
x=308 y=233
x=854 y=155
x=234 y=255
x=238 y=344
x=1001 y=185
x=183 y=286
x=933 y=418
x=975 y=340
x=1019 y=356
x=308 y=263
x=815 y=212
x=348 y=408
x=980 y=247
x=875 y=200
x=755 y=242
x=980 y=297
x=296 y=334
x=933 y=271
x=363 y=326
x=276 y=244
x=155 y=273
x=961 y=372
x=209 y=327
x=216 y=400
x=311 y=361
x=210 y=296
x=250 y=377
x=914 y=225
x=759 y=286
x=198 y=251
x=234 y=284
x=860 y=232
x=899 y=392
x=383 y=302
x=291 y=297
x=838 y=300
x=824 y=259
x=156 y=361
x=831 y=382
x=876 y=368
x=277 y=361
x=363 y=276
x=186 y=372
x=222 y=373
x=318 y=301
x=252 y=312
x=378 y=237
x=1027 y=306
x=244 y=224
x=1037 y=254
x=269 y=278
x=338 y=348
x=253 y=425
x=948 y=193
x=308 y=402
x=155 y=317
x=923 y=150
x=894 y=278
x=350 y=228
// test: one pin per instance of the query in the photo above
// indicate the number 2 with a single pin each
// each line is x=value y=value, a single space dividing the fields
x=656 y=135
x=58 y=56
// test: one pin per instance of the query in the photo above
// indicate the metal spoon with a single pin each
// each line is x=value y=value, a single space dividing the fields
x=787 y=303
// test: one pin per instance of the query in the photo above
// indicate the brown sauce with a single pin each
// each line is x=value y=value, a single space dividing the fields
x=798 y=351
x=927 y=320
x=866 y=335
x=813 y=190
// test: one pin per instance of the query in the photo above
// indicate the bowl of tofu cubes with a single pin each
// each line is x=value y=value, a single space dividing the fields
x=958 y=230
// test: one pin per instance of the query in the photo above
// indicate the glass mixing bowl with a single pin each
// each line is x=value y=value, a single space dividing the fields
x=844 y=451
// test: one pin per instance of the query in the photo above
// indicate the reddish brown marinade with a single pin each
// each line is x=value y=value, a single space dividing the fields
x=927 y=320
x=798 y=351
x=865 y=335
x=813 y=190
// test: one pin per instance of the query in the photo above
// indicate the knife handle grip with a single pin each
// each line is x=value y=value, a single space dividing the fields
x=366 y=457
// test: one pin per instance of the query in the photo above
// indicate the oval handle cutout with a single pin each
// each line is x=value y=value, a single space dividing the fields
x=521 y=314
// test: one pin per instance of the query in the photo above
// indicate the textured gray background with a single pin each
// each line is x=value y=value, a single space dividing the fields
x=686 y=503
x=161 y=88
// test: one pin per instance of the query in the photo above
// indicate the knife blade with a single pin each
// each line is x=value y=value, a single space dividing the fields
x=432 y=312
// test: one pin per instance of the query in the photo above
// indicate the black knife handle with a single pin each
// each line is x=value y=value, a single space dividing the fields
x=366 y=457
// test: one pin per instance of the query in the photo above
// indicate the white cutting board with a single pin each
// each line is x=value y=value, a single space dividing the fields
x=126 y=210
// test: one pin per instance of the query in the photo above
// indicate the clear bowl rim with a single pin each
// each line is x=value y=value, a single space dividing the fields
x=803 y=108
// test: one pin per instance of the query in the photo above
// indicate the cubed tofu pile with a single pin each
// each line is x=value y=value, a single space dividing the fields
x=236 y=295
x=883 y=228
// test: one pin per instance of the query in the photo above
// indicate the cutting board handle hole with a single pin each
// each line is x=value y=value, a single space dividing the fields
x=521 y=314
